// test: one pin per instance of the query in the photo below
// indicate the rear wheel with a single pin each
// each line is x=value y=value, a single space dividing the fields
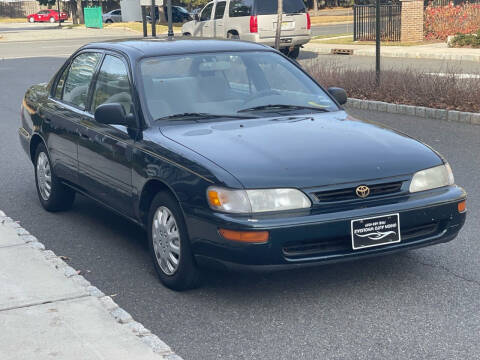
x=169 y=244
x=53 y=195
x=294 y=53
x=233 y=36
x=52 y=20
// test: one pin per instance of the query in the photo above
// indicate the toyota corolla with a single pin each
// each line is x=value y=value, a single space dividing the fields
x=230 y=155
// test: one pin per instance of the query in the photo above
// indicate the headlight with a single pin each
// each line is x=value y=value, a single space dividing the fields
x=432 y=178
x=254 y=201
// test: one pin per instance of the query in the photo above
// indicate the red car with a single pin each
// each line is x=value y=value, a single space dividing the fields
x=47 y=15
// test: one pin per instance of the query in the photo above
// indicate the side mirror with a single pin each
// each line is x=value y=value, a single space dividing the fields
x=196 y=17
x=339 y=94
x=112 y=114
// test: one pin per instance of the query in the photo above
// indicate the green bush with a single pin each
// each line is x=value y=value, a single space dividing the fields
x=462 y=40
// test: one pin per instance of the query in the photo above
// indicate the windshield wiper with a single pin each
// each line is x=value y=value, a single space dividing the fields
x=283 y=107
x=202 y=116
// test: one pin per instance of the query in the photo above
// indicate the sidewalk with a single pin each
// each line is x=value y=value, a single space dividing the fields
x=49 y=311
x=431 y=51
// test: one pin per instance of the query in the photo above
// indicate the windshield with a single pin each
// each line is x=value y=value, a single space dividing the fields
x=229 y=84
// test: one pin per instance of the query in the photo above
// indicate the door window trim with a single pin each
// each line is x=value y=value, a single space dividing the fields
x=67 y=67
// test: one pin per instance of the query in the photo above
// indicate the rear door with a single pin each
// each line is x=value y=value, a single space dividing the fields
x=218 y=20
x=294 y=22
x=64 y=111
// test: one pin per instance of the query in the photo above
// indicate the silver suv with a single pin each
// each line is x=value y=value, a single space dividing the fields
x=253 y=20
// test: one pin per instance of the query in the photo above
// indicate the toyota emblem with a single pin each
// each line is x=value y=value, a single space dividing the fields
x=362 y=191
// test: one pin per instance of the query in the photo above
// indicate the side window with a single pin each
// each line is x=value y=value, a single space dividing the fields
x=206 y=12
x=240 y=8
x=79 y=78
x=220 y=10
x=60 y=83
x=112 y=84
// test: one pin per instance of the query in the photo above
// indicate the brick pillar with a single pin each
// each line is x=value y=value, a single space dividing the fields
x=412 y=20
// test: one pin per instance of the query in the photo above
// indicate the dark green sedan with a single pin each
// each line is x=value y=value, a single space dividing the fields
x=231 y=156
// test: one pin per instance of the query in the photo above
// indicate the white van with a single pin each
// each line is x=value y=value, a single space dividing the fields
x=253 y=20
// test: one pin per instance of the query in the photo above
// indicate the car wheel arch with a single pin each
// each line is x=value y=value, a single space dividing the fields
x=233 y=32
x=34 y=142
x=151 y=188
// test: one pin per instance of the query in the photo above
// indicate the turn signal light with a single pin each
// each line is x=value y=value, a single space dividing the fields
x=462 y=206
x=256 y=237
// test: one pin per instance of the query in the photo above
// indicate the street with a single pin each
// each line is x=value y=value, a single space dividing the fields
x=415 y=305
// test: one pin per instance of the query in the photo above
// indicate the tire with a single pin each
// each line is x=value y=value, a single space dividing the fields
x=59 y=197
x=294 y=53
x=109 y=21
x=232 y=36
x=31 y=20
x=187 y=34
x=166 y=227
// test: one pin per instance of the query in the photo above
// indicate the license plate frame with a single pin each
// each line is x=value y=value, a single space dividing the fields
x=375 y=231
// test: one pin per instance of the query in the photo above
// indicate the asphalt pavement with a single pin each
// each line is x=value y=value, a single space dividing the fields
x=421 y=304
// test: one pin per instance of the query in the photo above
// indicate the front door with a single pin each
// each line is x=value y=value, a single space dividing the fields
x=204 y=27
x=105 y=151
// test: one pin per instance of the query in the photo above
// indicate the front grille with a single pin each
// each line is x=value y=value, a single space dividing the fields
x=343 y=244
x=350 y=192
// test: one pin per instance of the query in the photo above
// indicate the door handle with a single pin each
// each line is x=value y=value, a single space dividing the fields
x=47 y=120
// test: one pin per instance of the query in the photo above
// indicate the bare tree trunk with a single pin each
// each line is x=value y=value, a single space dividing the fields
x=315 y=7
x=80 y=12
x=279 y=24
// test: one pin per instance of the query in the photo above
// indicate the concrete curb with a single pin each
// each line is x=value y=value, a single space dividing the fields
x=420 y=111
x=120 y=315
x=420 y=54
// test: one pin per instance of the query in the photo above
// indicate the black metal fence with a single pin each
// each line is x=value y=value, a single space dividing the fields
x=364 y=22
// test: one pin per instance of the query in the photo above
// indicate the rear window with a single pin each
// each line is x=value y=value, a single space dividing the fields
x=269 y=7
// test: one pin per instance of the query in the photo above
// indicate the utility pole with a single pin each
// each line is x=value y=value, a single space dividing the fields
x=377 y=42
x=170 y=20
x=58 y=11
x=153 y=16
x=279 y=24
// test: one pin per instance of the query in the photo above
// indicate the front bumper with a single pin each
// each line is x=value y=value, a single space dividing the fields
x=320 y=237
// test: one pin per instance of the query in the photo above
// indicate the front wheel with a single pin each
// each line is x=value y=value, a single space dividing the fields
x=109 y=21
x=169 y=244
x=54 y=196
x=31 y=20
x=233 y=36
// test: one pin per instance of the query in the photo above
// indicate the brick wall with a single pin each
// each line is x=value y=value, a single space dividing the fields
x=412 y=20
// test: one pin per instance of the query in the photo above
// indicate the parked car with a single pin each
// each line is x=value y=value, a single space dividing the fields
x=179 y=14
x=112 y=16
x=230 y=155
x=47 y=16
x=254 y=20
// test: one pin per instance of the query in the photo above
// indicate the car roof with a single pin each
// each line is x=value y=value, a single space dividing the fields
x=147 y=47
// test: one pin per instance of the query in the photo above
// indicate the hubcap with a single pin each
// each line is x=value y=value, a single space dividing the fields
x=166 y=240
x=44 y=176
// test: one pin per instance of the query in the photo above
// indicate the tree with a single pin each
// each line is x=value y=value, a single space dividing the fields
x=48 y=3
x=279 y=24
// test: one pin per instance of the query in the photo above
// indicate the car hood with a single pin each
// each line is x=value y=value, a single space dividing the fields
x=303 y=151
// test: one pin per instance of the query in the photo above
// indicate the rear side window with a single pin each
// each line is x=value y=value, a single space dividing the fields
x=220 y=10
x=269 y=7
x=241 y=8
x=207 y=12
x=79 y=78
